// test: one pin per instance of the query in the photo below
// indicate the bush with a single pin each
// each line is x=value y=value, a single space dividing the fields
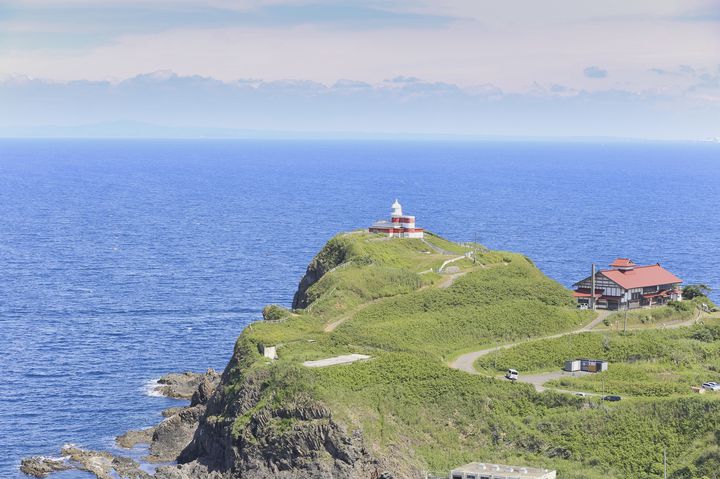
x=274 y=312
x=692 y=291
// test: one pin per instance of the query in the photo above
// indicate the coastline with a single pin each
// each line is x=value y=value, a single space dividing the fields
x=163 y=443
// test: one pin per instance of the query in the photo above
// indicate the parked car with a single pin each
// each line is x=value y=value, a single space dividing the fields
x=611 y=398
x=511 y=374
x=582 y=395
x=711 y=386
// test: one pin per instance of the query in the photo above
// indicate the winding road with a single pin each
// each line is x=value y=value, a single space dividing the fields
x=466 y=362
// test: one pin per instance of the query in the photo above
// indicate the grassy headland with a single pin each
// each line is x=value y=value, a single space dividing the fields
x=386 y=299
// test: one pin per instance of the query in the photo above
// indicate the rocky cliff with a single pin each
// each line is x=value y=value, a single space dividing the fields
x=256 y=426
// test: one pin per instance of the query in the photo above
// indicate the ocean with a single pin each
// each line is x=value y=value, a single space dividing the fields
x=121 y=260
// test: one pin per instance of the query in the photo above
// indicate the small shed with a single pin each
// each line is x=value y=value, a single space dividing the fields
x=593 y=365
x=587 y=365
x=572 y=365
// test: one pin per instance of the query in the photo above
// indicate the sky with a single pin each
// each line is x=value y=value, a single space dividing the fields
x=528 y=68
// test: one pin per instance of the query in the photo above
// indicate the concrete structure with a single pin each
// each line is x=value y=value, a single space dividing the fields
x=347 y=359
x=399 y=226
x=481 y=470
x=269 y=352
x=628 y=286
x=587 y=365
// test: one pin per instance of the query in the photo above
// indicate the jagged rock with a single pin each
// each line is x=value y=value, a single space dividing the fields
x=193 y=470
x=104 y=465
x=173 y=434
x=184 y=385
x=205 y=389
x=171 y=411
x=39 y=466
x=132 y=438
x=245 y=436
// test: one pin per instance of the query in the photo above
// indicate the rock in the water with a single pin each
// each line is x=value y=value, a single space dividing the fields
x=105 y=465
x=39 y=466
x=133 y=438
x=184 y=385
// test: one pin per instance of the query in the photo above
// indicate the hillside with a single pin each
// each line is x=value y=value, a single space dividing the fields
x=404 y=410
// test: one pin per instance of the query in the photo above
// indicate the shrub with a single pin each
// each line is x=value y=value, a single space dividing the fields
x=273 y=312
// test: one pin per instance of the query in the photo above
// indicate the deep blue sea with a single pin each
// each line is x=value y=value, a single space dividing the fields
x=124 y=260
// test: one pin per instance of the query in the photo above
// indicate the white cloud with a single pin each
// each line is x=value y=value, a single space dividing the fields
x=420 y=107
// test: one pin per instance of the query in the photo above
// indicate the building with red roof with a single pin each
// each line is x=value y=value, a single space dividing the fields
x=627 y=285
x=399 y=226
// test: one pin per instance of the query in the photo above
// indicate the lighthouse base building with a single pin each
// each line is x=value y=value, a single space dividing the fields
x=399 y=226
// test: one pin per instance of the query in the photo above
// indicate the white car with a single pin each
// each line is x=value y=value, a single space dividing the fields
x=511 y=374
x=711 y=386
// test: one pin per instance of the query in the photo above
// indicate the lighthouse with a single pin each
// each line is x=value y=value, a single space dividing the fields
x=399 y=226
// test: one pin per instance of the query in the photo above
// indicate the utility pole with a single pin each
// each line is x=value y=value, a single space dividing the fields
x=474 y=247
x=626 y=311
x=592 y=288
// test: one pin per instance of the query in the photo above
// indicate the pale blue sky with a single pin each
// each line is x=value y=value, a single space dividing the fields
x=495 y=64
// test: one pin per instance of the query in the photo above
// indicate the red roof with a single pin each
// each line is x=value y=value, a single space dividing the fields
x=583 y=294
x=641 y=276
x=622 y=263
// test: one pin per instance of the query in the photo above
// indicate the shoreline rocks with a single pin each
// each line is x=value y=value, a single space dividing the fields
x=166 y=440
x=184 y=385
x=40 y=466
x=132 y=438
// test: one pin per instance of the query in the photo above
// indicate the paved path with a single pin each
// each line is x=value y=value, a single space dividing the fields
x=539 y=379
x=458 y=258
x=347 y=359
x=435 y=248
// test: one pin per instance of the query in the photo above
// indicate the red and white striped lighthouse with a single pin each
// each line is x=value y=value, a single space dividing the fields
x=399 y=226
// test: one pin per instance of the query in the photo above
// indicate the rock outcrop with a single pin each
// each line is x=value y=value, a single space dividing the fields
x=184 y=385
x=40 y=466
x=166 y=440
x=248 y=432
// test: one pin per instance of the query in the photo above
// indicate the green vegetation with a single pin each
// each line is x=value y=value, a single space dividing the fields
x=692 y=291
x=502 y=303
x=675 y=311
x=380 y=300
x=273 y=312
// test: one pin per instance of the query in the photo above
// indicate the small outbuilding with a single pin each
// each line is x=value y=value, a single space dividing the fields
x=482 y=470
x=587 y=365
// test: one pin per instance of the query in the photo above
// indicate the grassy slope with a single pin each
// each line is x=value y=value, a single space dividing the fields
x=408 y=403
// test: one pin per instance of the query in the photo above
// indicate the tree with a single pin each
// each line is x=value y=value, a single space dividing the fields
x=694 y=290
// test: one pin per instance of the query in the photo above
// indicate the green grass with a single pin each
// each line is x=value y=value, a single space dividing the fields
x=411 y=407
x=655 y=363
x=503 y=303
x=652 y=317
